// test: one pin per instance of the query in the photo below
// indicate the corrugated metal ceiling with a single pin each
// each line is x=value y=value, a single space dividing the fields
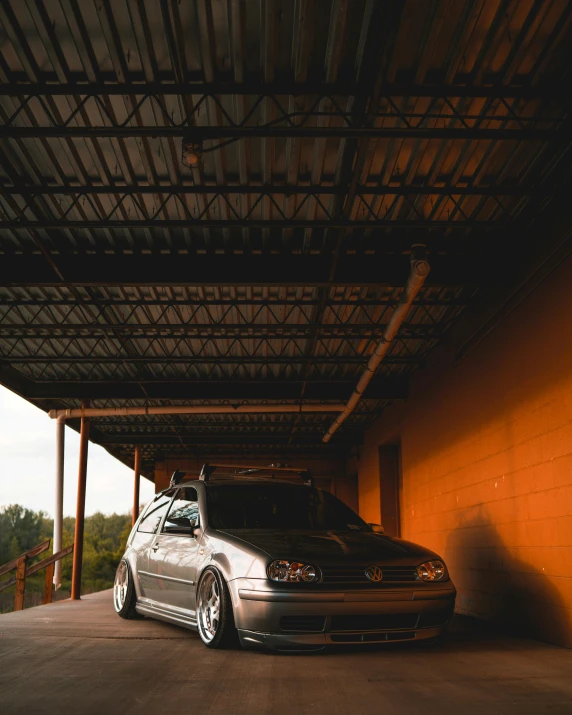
x=334 y=134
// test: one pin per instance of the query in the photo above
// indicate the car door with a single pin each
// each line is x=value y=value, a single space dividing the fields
x=173 y=554
x=147 y=529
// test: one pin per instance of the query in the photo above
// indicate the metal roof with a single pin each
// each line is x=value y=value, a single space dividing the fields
x=334 y=136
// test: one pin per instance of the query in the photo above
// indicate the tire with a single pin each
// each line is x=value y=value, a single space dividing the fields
x=215 y=617
x=124 y=596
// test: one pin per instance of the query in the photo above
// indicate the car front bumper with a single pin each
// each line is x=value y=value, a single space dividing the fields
x=417 y=612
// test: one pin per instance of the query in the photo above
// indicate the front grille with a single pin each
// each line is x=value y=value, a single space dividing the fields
x=393 y=574
x=375 y=622
x=372 y=637
x=307 y=624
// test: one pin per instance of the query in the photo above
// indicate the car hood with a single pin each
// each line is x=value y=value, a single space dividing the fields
x=312 y=546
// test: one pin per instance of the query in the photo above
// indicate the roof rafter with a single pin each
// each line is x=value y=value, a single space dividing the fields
x=267 y=390
x=265 y=190
x=179 y=269
x=81 y=86
x=515 y=132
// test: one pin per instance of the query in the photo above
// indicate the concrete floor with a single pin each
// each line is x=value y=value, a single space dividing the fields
x=79 y=657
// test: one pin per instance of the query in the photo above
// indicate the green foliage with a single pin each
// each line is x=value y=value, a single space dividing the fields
x=20 y=530
x=104 y=544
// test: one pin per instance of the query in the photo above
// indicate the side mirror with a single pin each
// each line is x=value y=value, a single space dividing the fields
x=377 y=528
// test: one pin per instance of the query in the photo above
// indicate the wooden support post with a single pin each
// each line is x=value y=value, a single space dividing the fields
x=136 y=481
x=20 y=583
x=49 y=583
x=80 y=508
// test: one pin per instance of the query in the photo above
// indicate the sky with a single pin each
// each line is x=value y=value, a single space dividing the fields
x=28 y=458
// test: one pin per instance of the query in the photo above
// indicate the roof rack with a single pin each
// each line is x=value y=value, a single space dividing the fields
x=240 y=470
x=177 y=477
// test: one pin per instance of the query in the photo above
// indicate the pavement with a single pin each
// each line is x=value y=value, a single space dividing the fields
x=77 y=657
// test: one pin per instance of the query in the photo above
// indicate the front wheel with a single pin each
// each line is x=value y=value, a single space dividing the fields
x=124 y=596
x=215 y=618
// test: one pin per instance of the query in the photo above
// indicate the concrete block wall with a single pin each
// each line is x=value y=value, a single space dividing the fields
x=486 y=449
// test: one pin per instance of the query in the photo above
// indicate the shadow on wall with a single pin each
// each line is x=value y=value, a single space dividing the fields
x=494 y=585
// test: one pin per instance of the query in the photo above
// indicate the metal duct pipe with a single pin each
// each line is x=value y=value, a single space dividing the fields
x=419 y=271
x=189 y=410
x=59 y=501
x=80 y=505
x=136 y=483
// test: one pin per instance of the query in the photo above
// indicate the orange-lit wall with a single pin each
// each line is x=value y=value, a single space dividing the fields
x=486 y=450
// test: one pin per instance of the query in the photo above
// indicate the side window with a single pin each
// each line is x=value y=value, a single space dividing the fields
x=184 y=511
x=150 y=522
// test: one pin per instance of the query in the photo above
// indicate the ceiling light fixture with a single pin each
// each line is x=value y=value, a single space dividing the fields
x=192 y=152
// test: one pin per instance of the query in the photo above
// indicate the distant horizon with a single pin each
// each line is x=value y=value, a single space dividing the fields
x=27 y=455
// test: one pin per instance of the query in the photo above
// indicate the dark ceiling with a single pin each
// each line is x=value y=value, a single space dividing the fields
x=335 y=135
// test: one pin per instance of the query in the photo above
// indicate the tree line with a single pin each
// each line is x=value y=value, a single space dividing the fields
x=104 y=543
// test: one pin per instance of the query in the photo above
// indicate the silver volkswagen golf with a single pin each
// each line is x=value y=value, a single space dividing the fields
x=276 y=565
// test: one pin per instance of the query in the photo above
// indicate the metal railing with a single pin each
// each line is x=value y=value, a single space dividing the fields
x=19 y=564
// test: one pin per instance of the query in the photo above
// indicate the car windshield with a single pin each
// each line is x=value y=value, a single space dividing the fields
x=283 y=507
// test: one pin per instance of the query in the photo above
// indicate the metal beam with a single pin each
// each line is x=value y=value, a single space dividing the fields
x=298 y=222
x=201 y=360
x=266 y=190
x=239 y=270
x=177 y=439
x=6 y=302
x=81 y=86
x=515 y=132
x=275 y=453
x=214 y=331
x=208 y=423
x=380 y=389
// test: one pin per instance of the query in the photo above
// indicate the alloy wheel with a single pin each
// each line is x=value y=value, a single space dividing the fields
x=120 y=586
x=208 y=609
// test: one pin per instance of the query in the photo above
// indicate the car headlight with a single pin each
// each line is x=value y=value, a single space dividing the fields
x=292 y=571
x=432 y=571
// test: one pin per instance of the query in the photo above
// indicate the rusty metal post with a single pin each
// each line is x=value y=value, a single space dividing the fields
x=136 y=482
x=80 y=508
x=59 y=505
x=48 y=584
x=20 y=583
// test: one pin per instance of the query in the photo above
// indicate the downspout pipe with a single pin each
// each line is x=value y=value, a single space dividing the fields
x=419 y=271
x=136 y=484
x=59 y=497
x=80 y=508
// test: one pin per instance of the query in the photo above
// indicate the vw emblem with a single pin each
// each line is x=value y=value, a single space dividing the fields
x=374 y=573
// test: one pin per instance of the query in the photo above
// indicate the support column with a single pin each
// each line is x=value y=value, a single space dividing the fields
x=136 y=482
x=59 y=505
x=80 y=508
